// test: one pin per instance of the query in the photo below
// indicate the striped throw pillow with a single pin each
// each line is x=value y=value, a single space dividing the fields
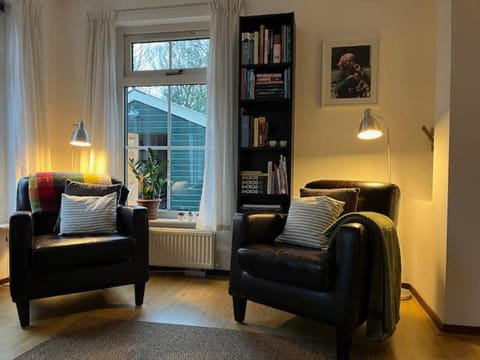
x=307 y=219
x=88 y=214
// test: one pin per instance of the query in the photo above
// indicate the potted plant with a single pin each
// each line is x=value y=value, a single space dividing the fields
x=150 y=173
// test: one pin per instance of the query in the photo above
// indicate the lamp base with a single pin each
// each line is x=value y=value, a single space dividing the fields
x=405 y=294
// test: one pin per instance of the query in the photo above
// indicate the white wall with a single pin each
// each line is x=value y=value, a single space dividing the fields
x=463 y=246
x=3 y=115
x=414 y=74
x=3 y=152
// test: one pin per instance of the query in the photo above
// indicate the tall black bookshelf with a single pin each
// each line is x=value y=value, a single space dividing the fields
x=266 y=108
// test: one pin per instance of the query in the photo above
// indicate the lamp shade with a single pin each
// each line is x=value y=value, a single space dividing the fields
x=80 y=135
x=369 y=127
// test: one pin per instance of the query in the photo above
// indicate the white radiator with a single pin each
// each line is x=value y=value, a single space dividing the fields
x=184 y=248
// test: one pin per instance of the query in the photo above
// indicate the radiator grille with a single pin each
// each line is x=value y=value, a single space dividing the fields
x=185 y=248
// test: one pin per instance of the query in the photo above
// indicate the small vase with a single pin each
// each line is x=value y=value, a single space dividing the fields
x=151 y=205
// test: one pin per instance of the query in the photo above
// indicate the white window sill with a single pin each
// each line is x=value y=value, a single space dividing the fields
x=172 y=223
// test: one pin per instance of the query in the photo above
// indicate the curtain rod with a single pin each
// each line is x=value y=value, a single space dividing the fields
x=163 y=7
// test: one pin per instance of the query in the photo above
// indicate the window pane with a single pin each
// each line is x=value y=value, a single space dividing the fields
x=147 y=114
x=150 y=56
x=188 y=130
x=188 y=54
x=187 y=179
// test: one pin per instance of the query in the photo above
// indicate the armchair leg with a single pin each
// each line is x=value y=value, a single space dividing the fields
x=139 y=292
x=23 y=310
x=344 y=343
x=239 y=307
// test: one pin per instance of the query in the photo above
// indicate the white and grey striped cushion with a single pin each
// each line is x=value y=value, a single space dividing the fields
x=307 y=219
x=88 y=214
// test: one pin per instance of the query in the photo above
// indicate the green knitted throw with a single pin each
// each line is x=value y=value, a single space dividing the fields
x=384 y=303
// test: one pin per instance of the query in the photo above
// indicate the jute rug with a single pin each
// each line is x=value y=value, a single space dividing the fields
x=94 y=338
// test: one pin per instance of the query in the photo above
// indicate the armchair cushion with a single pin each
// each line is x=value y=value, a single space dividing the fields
x=88 y=214
x=348 y=195
x=60 y=252
x=295 y=265
x=307 y=219
x=88 y=189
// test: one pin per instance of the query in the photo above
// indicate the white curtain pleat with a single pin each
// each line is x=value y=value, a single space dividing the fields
x=100 y=99
x=217 y=204
x=27 y=126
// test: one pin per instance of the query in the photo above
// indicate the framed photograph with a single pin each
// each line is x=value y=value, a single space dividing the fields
x=349 y=72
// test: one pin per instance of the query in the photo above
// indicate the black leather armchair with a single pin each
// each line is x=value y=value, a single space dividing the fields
x=44 y=264
x=331 y=286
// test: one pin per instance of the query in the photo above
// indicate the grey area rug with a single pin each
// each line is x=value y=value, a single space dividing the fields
x=95 y=338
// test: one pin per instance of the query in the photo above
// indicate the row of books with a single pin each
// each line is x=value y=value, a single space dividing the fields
x=264 y=85
x=274 y=181
x=277 y=182
x=266 y=47
x=253 y=131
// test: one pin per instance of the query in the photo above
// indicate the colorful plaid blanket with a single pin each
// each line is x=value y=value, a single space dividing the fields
x=45 y=189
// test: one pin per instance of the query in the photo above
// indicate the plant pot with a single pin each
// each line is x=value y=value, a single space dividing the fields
x=151 y=205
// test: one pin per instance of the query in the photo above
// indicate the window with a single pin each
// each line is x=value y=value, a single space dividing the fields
x=165 y=95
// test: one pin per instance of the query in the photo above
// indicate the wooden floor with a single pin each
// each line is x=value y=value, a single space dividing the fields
x=173 y=298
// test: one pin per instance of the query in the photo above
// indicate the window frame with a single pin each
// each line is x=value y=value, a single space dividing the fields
x=127 y=77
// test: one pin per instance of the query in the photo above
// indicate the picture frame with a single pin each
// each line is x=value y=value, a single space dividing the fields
x=349 y=72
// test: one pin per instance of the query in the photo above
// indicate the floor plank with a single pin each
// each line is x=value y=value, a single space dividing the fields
x=174 y=298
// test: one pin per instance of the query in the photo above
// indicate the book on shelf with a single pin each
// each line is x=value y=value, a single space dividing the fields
x=277 y=48
x=253 y=182
x=261 y=43
x=244 y=131
x=255 y=47
x=266 y=47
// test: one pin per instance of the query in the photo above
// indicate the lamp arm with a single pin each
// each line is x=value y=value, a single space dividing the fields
x=389 y=158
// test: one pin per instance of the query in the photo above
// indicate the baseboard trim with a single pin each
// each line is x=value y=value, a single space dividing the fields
x=439 y=325
x=4 y=281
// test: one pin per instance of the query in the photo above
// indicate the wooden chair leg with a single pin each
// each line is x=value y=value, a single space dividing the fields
x=139 y=293
x=239 y=308
x=23 y=310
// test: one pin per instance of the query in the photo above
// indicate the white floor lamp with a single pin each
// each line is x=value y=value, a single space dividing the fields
x=370 y=129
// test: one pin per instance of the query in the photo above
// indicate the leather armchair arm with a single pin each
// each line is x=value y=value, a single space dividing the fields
x=133 y=221
x=20 y=249
x=252 y=228
x=353 y=273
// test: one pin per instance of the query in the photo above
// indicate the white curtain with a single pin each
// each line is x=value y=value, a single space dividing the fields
x=100 y=99
x=3 y=120
x=217 y=205
x=27 y=127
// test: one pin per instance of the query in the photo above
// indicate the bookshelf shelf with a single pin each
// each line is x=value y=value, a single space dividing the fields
x=266 y=148
x=266 y=112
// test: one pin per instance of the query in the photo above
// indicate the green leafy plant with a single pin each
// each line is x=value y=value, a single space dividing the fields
x=150 y=174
